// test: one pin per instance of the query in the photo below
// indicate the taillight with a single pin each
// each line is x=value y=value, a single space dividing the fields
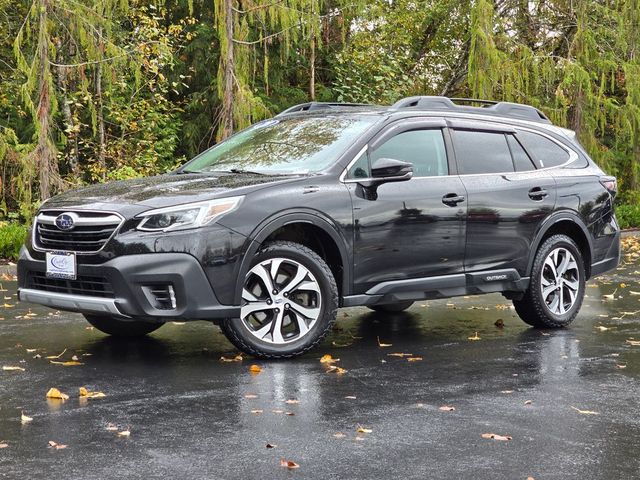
x=611 y=184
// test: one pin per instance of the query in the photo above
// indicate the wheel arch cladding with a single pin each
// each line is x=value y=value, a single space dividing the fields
x=307 y=229
x=570 y=225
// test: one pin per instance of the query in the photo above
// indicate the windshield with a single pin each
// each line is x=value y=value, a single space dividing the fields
x=281 y=146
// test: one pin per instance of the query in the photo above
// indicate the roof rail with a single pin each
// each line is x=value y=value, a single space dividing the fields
x=489 y=107
x=315 y=106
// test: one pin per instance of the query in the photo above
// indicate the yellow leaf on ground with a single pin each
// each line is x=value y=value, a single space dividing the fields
x=55 y=445
x=292 y=401
x=447 y=408
x=585 y=412
x=361 y=429
x=635 y=343
x=237 y=358
x=289 y=464
x=251 y=395
x=495 y=436
x=328 y=359
x=257 y=411
x=55 y=357
x=3 y=445
x=602 y=328
x=24 y=419
x=56 y=394
x=383 y=345
x=12 y=368
x=255 y=369
x=400 y=355
x=336 y=369
x=414 y=359
x=87 y=394
x=631 y=292
x=70 y=363
x=475 y=337
x=611 y=296
x=124 y=433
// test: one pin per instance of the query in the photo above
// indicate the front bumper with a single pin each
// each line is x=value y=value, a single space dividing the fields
x=130 y=278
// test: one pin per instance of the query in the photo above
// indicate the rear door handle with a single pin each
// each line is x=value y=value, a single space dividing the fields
x=452 y=199
x=537 y=193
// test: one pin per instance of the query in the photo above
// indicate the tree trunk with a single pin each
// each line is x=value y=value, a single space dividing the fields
x=70 y=127
x=312 y=72
x=44 y=153
x=100 y=115
x=226 y=116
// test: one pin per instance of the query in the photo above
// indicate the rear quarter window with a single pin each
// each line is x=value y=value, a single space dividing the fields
x=546 y=153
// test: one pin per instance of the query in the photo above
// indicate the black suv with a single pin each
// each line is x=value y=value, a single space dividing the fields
x=335 y=205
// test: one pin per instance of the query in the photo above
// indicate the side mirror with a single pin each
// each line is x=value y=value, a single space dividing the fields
x=391 y=170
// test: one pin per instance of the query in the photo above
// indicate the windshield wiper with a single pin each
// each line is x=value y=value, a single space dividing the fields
x=250 y=172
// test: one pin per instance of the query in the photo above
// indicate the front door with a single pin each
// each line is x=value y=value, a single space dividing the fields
x=411 y=229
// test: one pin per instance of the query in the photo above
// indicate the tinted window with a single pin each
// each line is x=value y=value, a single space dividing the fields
x=482 y=152
x=543 y=150
x=521 y=160
x=423 y=148
x=360 y=168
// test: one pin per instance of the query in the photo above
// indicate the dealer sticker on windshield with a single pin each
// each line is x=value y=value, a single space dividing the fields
x=61 y=265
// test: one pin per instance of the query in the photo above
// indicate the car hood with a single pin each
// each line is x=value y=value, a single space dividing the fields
x=130 y=197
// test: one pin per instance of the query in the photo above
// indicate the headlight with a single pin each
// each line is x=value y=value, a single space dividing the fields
x=190 y=215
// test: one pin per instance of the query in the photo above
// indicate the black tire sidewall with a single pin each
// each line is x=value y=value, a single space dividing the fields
x=328 y=308
x=557 y=241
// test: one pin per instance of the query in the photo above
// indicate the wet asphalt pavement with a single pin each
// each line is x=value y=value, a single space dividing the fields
x=192 y=416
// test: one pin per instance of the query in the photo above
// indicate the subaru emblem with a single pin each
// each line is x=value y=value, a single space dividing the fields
x=65 y=221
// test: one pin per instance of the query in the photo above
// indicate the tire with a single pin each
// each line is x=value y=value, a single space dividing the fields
x=122 y=328
x=392 y=307
x=298 y=316
x=548 y=303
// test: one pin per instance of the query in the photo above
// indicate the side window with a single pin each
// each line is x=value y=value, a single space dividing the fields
x=360 y=168
x=482 y=152
x=423 y=148
x=521 y=160
x=544 y=151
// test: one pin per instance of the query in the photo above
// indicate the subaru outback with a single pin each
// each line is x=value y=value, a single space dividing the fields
x=331 y=205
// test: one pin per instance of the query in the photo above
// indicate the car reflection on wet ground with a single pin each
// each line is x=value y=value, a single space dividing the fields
x=568 y=398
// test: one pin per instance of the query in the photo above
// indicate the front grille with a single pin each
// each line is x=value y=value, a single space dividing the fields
x=91 y=231
x=83 y=285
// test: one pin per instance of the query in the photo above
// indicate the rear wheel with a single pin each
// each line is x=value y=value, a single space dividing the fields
x=557 y=285
x=289 y=303
x=392 y=307
x=122 y=328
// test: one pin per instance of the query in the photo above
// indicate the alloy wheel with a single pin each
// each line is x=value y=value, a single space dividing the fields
x=560 y=281
x=281 y=301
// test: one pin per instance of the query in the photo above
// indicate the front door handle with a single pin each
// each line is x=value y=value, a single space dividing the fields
x=452 y=199
x=537 y=193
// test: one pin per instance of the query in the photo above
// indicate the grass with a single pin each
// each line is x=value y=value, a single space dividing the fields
x=628 y=215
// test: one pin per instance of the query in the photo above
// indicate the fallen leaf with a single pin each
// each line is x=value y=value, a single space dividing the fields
x=124 y=433
x=361 y=429
x=602 y=328
x=414 y=359
x=271 y=445
x=447 y=408
x=400 y=355
x=499 y=323
x=24 y=419
x=289 y=464
x=289 y=414
x=75 y=358
x=4 y=445
x=255 y=369
x=585 y=412
x=237 y=358
x=70 y=363
x=111 y=427
x=620 y=366
x=336 y=369
x=54 y=357
x=292 y=401
x=383 y=345
x=328 y=359
x=339 y=435
x=635 y=343
x=495 y=436
x=55 y=445
x=12 y=368
x=631 y=292
x=56 y=394
x=31 y=350
x=86 y=393
x=610 y=296
x=257 y=411
x=8 y=305
x=475 y=337
x=528 y=402
x=350 y=397
x=251 y=395
x=506 y=392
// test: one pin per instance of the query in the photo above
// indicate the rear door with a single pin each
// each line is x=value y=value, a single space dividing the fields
x=508 y=197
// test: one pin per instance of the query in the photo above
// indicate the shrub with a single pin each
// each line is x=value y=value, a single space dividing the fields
x=12 y=236
x=628 y=216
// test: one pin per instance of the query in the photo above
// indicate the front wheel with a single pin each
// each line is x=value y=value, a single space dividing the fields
x=289 y=303
x=122 y=328
x=557 y=285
